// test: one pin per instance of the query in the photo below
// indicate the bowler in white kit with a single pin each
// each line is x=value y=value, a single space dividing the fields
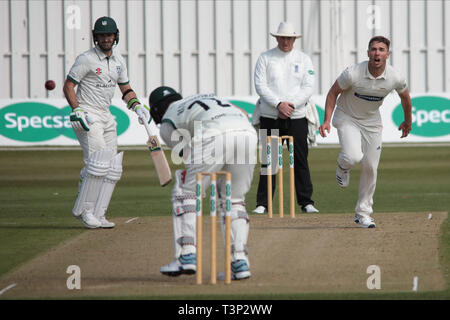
x=361 y=89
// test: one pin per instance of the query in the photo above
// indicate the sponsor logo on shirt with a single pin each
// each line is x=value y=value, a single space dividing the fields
x=118 y=70
x=98 y=71
x=105 y=85
x=368 y=98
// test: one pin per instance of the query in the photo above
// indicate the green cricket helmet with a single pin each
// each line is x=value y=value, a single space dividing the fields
x=105 y=25
x=159 y=101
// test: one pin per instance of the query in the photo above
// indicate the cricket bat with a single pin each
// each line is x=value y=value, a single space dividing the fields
x=159 y=158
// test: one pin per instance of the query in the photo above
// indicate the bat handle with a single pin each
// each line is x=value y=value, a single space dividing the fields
x=147 y=127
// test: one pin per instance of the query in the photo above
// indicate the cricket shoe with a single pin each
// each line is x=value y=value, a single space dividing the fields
x=310 y=209
x=342 y=177
x=172 y=269
x=366 y=222
x=185 y=264
x=356 y=218
x=260 y=210
x=105 y=223
x=89 y=220
x=240 y=270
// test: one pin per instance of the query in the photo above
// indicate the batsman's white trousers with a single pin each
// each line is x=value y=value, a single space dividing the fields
x=102 y=134
x=234 y=152
x=359 y=144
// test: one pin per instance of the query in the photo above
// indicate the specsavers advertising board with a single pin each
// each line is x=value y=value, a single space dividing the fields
x=41 y=122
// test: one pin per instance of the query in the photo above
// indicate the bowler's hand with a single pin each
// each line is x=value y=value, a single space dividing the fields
x=324 y=127
x=285 y=110
x=406 y=128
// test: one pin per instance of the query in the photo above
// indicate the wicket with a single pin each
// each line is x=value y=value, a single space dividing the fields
x=213 y=212
x=280 y=176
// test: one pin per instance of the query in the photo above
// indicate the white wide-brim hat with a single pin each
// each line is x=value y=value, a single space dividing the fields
x=285 y=29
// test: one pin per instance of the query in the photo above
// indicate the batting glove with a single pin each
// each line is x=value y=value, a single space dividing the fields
x=78 y=119
x=143 y=113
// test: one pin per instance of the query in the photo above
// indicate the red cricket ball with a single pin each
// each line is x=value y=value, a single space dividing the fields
x=50 y=85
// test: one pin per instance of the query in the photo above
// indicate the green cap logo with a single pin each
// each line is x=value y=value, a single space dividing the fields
x=430 y=116
x=37 y=122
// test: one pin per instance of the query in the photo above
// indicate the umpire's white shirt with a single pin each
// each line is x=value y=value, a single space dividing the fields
x=283 y=76
x=97 y=76
x=364 y=94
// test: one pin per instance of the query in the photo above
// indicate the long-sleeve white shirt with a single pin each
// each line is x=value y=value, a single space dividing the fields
x=283 y=76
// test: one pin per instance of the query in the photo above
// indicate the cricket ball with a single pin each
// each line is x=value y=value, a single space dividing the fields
x=50 y=84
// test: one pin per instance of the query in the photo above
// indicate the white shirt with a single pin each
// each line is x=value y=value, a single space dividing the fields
x=202 y=116
x=364 y=94
x=283 y=76
x=97 y=76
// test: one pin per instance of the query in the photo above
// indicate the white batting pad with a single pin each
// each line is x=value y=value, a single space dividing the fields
x=177 y=210
x=97 y=167
x=239 y=229
x=108 y=185
x=188 y=227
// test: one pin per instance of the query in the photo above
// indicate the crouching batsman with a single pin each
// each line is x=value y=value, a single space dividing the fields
x=212 y=135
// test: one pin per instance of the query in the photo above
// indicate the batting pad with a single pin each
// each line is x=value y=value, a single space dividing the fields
x=97 y=168
x=177 y=210
x=239 y=229
x=109 y=183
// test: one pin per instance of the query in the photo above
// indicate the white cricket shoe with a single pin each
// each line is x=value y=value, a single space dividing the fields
x=260 y=210
x=366 y=222
x=89 y=220
x=105 y=223
x=310 y=209
x=240 y=270
x=342 y=177
x=185 y=264
x=172 y=269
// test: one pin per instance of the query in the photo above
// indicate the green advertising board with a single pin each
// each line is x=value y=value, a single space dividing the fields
x=38 y=122
x=430 y=116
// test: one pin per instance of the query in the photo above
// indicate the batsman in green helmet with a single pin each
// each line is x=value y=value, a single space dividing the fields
x=216 y=136
x=96 y=73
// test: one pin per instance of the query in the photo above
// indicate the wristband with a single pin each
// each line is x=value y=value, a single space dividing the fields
x=126 y=92
x=131 y=102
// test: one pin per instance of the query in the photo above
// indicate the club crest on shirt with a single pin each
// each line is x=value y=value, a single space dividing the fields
x=98 y=71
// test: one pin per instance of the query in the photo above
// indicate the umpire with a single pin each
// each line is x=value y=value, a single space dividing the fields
x=284 y=80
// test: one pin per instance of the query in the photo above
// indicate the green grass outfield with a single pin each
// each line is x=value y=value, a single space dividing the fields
x=38 y=189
